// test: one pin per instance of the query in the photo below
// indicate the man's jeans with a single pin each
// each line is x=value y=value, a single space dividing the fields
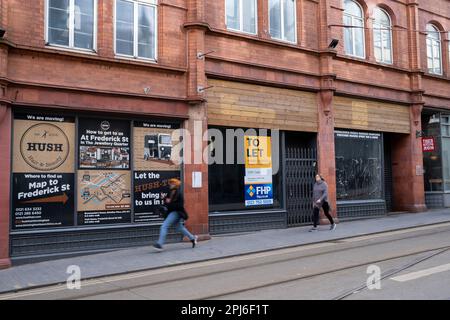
x=172 y=219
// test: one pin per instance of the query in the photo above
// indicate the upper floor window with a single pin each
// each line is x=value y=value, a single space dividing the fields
x=71 y=23
x=354 y=34
x=283 y=20
x=241 y=15
x=382 y=35
x=136 y=28
x=434 y=60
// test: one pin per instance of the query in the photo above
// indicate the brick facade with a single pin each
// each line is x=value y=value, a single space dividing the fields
x=36 y=75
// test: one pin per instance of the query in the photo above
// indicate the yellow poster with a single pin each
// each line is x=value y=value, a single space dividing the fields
x=258 y=152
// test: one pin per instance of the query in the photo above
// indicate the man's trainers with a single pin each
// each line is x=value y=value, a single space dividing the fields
x=313 y=230
x=158 y=247
x=333 y=226
x=194 y=242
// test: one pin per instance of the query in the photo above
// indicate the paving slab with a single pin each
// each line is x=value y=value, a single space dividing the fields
x=144 y=258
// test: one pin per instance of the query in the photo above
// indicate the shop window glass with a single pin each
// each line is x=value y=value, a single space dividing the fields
x=446 y=150
x=359 y=165
x=432 y=160
x=71 y=171
x=227 y=181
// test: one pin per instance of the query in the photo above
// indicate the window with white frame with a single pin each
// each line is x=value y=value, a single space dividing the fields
x=283 y=20
x=241 y=15
x=434 y=60
x=71 y=23
x=136 y=29
x=382 y=35
x=354 y=33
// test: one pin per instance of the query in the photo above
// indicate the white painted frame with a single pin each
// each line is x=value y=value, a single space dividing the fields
x=149 y=3
x=72 y=28
x=241 y=18
x=353 y=18
x=433 y=57
x=282 y=23
x=391 y=38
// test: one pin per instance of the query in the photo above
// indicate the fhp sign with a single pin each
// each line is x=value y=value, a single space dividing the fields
x=428 y=144
x=259 y=194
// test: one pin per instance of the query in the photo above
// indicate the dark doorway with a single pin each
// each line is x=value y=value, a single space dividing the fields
x=300 y=163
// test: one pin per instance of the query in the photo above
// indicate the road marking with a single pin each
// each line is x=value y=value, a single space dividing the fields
x=422 y=273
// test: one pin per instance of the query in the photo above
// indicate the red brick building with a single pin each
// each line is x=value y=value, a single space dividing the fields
x=86 y=71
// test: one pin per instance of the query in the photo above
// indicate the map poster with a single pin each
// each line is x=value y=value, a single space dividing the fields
x=42 y=200
x=104 y=197
x=150 y=189
x=104 y=144
x=155 y=146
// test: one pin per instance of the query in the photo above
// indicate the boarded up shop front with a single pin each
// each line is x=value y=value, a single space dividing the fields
x=235 y=202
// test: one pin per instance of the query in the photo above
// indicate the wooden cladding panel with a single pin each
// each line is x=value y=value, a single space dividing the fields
x=247 y=105
x=371 y=115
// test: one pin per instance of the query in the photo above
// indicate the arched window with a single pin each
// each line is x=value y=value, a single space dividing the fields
x=354 y=36
x=434 y=59
x=382 y=35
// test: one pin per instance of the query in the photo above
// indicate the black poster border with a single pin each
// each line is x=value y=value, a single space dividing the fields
x=178 y=123
x=128 y=212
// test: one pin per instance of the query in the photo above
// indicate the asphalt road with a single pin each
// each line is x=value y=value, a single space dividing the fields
x=411 y=264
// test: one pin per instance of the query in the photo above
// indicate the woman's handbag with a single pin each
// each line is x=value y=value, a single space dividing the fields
x=183 y=214
x=162 y=211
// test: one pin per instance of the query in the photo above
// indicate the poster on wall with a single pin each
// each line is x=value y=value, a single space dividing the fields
x=42 y=200
x=155 y=163
x=104 y=176
x=104 y=197
x=43 y=171
x=428 y=144
x=258 y=171
x=358 y=135
x=104 y=144
x=150 y=189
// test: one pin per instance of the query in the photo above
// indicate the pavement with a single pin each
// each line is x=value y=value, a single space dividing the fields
x=145 y=258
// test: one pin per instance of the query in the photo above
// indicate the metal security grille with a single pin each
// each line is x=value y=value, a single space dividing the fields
x=300 y=171
x=388 y=194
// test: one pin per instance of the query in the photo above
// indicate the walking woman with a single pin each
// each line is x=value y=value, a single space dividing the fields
x=176 y=215
x=320 y=198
